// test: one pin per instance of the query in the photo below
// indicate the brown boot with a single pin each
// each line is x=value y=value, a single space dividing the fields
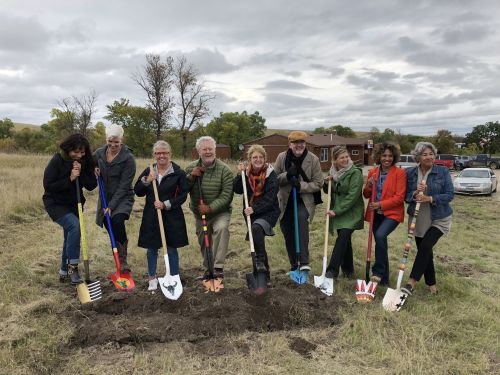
x=122 y=252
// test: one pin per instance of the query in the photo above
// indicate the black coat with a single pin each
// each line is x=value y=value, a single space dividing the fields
x=59 y=197
x=173 y=188
x=267 y=206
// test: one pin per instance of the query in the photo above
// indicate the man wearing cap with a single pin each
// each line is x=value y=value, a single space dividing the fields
x=301 y=169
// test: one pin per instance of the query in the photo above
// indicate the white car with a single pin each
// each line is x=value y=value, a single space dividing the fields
x=476 y=181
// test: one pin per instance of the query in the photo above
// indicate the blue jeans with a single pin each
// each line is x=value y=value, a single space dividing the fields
x=173 y=261
x=382 y=227
x=71 y=247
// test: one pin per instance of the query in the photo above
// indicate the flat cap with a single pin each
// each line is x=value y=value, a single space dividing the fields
x=296 y=136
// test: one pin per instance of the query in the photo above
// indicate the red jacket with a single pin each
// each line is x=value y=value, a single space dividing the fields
x=393 y=193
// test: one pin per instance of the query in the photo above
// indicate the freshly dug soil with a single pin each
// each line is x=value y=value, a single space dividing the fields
x=143 y=317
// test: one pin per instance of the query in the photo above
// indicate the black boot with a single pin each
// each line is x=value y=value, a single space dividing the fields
x=122 y=252
x=74 y=275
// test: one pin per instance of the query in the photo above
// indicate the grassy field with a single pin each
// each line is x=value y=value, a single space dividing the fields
x=454 y=332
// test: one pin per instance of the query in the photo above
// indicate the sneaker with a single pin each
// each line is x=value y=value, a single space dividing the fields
x=218 y=273
x=408 y=289
x=153 y=284
x=375 y=279
x=305 y=267
x=330 y=275
x=63 y=276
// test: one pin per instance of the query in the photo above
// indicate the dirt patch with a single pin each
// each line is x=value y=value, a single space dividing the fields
x=302 y=346
x=458 y=268
x=141 y=317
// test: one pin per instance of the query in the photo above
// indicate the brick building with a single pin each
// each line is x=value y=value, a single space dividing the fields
x=320 y=144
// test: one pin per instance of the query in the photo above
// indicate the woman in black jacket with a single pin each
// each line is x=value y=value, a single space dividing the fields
x=263 y=211
x=172 y=190
x=73 y=162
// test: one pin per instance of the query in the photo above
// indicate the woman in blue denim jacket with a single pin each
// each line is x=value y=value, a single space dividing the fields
x=430 y=185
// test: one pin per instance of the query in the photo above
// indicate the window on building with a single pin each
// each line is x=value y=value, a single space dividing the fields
x=354 y=152
x=324 y=154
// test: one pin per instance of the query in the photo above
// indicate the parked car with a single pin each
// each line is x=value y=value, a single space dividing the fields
x=461 y=160
x=446 y=160
x=483 y=160
x=476 y=181
x=406 y=161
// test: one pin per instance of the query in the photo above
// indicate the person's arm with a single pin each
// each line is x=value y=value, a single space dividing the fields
x=316 y=180
x=398 y=198
x=52 y=182
x=182 y=192
x=367 y=191
x=349 y=200
x=279 y=168
x=447 y=192
x=141 y=187
x=126 y=179
x=88 y=179
x=237 y=184
x=266 y=201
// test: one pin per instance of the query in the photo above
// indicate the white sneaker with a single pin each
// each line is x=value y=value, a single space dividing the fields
x=153 y=284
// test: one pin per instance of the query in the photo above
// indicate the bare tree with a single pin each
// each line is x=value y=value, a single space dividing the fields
x=193 y=98
x=85 y=108
x=156 y=81
x=76 y=112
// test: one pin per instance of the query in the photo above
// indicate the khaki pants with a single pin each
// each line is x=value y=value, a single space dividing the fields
x=218 y=234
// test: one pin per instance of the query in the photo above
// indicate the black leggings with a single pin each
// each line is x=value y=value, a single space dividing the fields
x=424 y=262
x=118 y=225
x=260 y=244
x=342 y=254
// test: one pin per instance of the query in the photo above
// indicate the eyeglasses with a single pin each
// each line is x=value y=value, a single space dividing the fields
x=162 y=153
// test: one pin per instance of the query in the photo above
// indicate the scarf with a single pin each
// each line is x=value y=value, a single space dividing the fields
x=256 y=181
x=337 y=174
x=292 y=159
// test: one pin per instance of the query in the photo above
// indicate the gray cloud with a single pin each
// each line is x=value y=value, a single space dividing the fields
x=22 y=34
x=282 y=84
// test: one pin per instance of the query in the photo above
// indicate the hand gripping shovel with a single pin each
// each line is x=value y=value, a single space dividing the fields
x=256 y=281
x=394 y=299
x=365 y=289
x=122 y=280
x=171 y=286
x=87 y=291
x=325 y=284
x=298 y=276
x=211 y=284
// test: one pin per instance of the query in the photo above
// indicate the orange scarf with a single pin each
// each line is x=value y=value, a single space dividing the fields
x=256 y=181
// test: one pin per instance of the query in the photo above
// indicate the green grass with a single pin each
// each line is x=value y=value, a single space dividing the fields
x=454 y=332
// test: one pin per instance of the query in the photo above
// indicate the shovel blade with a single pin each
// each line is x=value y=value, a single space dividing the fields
x=257 y=282
x=89 y=292
x=324 y=284
x=365 y=291
x=394 y=299
x=123 y=281
x=299 y=277
x=171 y=286
x=213 y=285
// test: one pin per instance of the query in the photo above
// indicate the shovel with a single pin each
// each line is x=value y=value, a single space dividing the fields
x=171 y=286
x=211 y=284
x=365 y=289
x=394 y=299
x=256 y=281
x=325 y=284
x=298 y=276
x=122 y=280
x=87 y=291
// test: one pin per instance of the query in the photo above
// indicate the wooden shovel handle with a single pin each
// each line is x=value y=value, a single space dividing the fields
x=160 y=217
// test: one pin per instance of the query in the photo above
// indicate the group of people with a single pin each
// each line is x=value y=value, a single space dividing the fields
x=287 y=190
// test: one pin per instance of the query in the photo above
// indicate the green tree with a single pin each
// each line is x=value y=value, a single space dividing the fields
x=444 y=142
x=6 y=128
x=342 y=131
x=233 y=128
x=486 y=136
x=138 y=124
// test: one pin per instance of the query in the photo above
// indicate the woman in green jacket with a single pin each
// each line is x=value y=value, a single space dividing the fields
x=345 y=211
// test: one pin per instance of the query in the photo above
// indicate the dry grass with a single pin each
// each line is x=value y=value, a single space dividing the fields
x=455 y=332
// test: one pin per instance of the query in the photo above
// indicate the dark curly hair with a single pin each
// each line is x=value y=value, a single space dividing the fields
x=75 y=142
x=380 y=148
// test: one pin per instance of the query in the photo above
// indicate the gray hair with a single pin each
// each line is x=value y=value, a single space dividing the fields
x=161 y=145
x=114 y=131
x=420 y=147
x=205 y=138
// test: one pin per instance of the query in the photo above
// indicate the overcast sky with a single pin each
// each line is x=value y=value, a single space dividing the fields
x=417 y=66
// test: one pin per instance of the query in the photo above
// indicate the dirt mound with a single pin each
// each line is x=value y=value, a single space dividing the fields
x=143 y=317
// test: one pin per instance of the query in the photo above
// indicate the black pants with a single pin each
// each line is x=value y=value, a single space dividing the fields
x=118 y=226
x=288 y=229
x=424 y=262
x=342 y=254
x=260 y=244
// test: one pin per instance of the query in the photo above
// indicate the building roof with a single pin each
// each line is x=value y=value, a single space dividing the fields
x=324 y=140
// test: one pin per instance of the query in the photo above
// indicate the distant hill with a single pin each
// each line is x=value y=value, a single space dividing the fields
x=18 y=126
